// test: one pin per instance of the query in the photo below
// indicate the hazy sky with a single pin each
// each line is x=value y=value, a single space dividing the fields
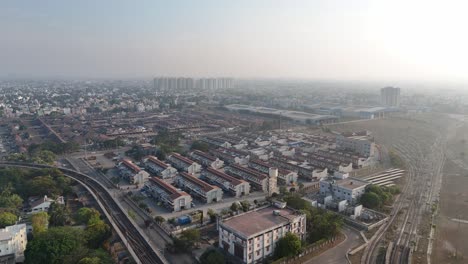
x=328 y=39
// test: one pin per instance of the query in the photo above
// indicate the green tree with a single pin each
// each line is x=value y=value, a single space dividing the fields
x=212 y=256
x=40 y=222
x=90 y=260
x=7 y=219
x=41 y=185
x=85 y=214
x=235 y=207
x=59 y=214
x=245 y=205
x=44 y=157
x=10 y=200
x=289 y=245
x=296 y=202
x=96 y=232
x=212 y=214
x=56 y=246
x=159 y=219
x=200 y=145
x=371 y=200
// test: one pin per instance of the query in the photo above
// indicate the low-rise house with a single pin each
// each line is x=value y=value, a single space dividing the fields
x=184 y=164
x=256 y=179
x=252 y=237
x=228 y=183
x=42 y=204
x=168 y=195
x=160 y=169
x=284 y=176
x=13 y=241
x=132 y=173
x=198 y=188
x=206 y=159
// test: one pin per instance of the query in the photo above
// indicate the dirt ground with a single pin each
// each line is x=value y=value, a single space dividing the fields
x=450 y=245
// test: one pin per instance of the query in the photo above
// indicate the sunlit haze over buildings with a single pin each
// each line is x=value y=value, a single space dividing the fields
x=325 y=40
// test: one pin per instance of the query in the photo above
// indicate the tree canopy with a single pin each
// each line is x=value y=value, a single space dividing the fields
x=40 y=222
x=7 y=219
x=289 y=245
x=212 y=256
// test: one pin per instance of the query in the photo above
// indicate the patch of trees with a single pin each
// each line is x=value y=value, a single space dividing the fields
x=321 y=224
x=212 y=256
x=167 y=141
x=110 y=143
x=376 y=196
x=287 y=246
x=200 y=145
x=186 y=241
x=56 y=148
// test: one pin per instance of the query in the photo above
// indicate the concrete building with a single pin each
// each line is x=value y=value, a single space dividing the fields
x=42 y=204
x=198 y=188
x=132 y=173
x=228 y=183
x=284 y=176
x=349 y=189
x=172 y=198
x=160 y=169
x=256 y=179
x=184 y=164
x=390 y=96
x=359 y=142
x=231 y=155
x=206 y=159
x=13 y=241
x=251 y=237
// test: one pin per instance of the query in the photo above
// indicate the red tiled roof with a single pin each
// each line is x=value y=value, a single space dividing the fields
x=168 y=188
x=182 y=158
x=131 y=166
x=232 y=180
x=159 y=163
x=205 y=186
x=255 y=173
x=204 y=155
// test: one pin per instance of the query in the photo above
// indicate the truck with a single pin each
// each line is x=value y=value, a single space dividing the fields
x=184 y=220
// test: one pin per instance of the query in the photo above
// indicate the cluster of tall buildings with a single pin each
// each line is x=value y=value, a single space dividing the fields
x=390 y=96
x=181 y=83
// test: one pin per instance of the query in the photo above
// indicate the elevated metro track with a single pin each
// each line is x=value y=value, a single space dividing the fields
x=137 y=244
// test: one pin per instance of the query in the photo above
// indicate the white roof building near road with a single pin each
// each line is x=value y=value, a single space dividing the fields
x=13 y=240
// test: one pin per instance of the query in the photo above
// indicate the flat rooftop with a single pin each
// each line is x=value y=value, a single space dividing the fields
x=254 y=222
x=351 y=183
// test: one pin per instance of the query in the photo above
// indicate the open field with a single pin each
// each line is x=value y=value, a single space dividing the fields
x=450 y=244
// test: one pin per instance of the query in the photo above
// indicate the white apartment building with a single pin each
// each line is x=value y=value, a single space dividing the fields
x=132 y=172
x=160 y=169
x=199 y=188
x=13 y=241
x=349 y=189
x=172 y=198
x=356 y=142
x=206 y=159
x=252 y=236
x=184 y=164
x=228 y=183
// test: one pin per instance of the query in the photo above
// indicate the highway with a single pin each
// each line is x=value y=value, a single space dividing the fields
x=137 y=244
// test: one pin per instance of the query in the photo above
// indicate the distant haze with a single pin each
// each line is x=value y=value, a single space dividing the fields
x=369 y=40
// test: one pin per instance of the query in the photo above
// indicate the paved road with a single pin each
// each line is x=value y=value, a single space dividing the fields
x=337 y=255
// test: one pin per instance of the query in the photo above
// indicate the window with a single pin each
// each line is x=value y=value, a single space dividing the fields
x=268 y=248
x=258 y=252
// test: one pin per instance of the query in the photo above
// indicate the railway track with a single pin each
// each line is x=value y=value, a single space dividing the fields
x=137 y=244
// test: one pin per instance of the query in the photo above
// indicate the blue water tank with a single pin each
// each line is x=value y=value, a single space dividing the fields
x=184 y=220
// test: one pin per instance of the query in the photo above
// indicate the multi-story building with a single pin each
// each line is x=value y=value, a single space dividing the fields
x=217 y=142
x=284 y=176
x=251 y=237
x=160 y=169
x=256 y=179
x=131 y=172
x=390 y=96
x=167 y=194
x=198 y=188
x=349 y=189
x=13 y=241
x=226 y=182
x=359 y=142
x=184 y=164
x=206 y=159
x=231 y=155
